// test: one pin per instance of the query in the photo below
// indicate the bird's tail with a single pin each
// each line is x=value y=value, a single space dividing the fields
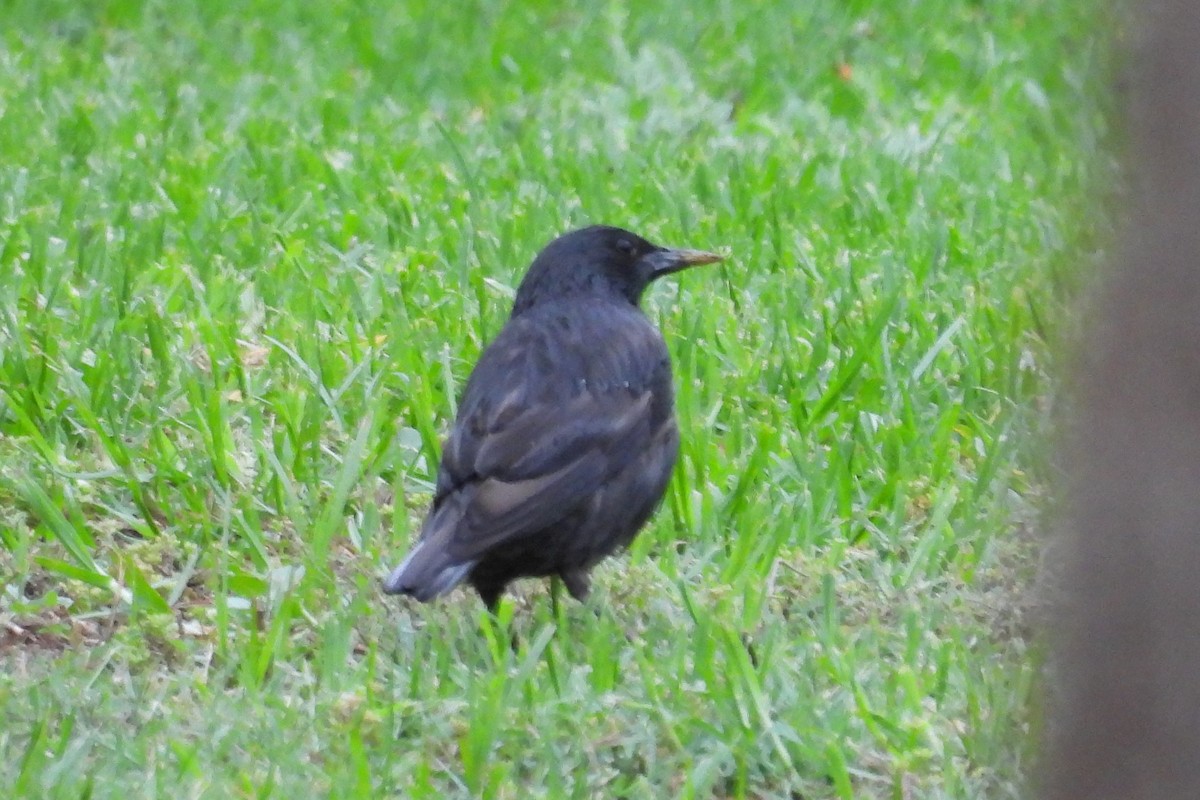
x=428 y=571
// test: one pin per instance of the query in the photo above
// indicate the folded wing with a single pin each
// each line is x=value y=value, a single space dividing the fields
x=532 y=443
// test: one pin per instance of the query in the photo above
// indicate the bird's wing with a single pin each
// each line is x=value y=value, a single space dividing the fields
x=534 y=470
x=534 y=438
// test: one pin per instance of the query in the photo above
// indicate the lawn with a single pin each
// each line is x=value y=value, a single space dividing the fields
x=250 y=250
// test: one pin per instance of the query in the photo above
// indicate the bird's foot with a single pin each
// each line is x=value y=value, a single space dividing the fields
x=578 y=584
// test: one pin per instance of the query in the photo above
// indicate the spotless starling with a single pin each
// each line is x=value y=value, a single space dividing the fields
x=565 y=437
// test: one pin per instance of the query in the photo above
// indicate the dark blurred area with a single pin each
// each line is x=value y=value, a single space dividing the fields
x=1124 y=717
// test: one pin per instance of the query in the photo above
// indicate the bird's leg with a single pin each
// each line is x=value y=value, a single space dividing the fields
x=490 y=594
x=578 y=583
x=493 y=605
x=498 y=629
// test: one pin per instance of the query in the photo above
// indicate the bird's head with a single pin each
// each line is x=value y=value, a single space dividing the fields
x=603 y=261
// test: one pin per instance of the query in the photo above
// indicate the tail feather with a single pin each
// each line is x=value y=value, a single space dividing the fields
x=426 y=573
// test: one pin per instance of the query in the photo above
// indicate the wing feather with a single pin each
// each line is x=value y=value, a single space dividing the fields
x=532 y=443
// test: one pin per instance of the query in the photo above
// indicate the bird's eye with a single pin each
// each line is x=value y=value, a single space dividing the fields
x=627 y=247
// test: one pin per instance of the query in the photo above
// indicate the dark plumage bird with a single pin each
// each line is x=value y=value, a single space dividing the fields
x=565 y=437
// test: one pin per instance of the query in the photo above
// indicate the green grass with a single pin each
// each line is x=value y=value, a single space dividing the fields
x=249 y=251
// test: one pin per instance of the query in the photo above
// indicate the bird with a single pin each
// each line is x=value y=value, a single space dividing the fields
x=565 y=436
